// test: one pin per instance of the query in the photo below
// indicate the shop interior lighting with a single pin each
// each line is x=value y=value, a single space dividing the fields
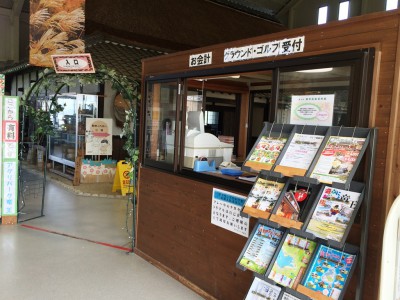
x=222 y=77
x=391 y=4
x=343 y=10
x=321 y=70
x=322 y=15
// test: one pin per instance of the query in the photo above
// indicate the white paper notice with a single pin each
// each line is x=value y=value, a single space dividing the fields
x=312 y=110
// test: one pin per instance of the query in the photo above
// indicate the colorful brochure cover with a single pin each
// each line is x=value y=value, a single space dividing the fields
x=337 y=159
x=267 y=150
x=261 y=248
x=264 y=194
x=292 y=260
x=329 y=271
x=333 y=213
x=301 y=151
x=289 y=208
x=260 y=289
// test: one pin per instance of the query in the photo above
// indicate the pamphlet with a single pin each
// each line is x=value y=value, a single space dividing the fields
x=292 y=260
x=301 y=151
x=289 y=208
x=287 y=296
x=267 y=150
x=337 y=159
x=264 y=194
x=261 y=289
x=333 y=213
x=261 y=248
x=329 y=271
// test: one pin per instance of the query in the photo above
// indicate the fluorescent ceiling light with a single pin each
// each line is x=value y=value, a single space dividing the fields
x=222 y=77
x=321 y=70
x=343 y=10
x=322 y=15
x=391 y=4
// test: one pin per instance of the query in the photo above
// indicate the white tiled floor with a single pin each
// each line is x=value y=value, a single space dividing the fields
x=50 y=264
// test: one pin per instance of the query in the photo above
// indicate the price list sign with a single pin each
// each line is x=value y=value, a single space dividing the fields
x=225 y=212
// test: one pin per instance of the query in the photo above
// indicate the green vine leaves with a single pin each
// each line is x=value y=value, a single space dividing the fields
x=51 y=83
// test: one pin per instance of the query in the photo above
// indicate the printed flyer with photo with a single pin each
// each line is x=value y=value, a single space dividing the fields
x=264 y=194
x=261 y=248
x=333 y=213
x=292 y=260
x=266 y=152
x=329 y=271
x=261 y=289
x=337 y=159
x=301 y=151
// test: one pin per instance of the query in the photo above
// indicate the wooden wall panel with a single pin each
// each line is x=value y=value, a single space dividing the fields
x=380 y=30
x=174 y=228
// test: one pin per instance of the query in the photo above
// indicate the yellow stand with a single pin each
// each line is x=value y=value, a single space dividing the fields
x=122 y=179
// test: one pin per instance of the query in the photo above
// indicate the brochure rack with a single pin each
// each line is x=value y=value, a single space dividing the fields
x=333 y=155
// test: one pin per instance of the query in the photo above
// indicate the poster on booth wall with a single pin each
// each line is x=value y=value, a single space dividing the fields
x=312 y=110
x=98 y=136
x=225 y=212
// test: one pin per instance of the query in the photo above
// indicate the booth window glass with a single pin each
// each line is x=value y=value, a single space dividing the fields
x=161 y=103
x=333 y=83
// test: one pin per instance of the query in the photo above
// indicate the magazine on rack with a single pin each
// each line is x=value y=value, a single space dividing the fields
x=337 y=159
x=261 y=248
x=333 y=213
x=266 y=152
x=292 y=260
x=299 y=154
x=263 y=196
x=329 y=271
x=261 y=289
x=294 y=206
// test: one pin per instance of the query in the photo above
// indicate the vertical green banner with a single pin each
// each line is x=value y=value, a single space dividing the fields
x=9 y=164
x=2 y=83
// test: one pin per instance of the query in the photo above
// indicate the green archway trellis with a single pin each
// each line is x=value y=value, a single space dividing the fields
x=53 y=83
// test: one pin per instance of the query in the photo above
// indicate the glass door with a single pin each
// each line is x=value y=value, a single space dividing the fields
x=162 y=124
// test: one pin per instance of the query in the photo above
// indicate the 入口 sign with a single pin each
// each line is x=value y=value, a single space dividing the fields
x=74 y=63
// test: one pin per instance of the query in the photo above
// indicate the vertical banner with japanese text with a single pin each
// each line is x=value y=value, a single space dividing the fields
x=56 y=27
x=2 y=87
x=9 y=191
x=2 y=83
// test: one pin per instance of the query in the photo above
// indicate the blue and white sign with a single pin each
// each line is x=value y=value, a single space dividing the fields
x=225 y=212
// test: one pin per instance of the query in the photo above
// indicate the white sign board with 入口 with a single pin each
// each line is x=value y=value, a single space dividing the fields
x=73 y=63
x=225 y=212
x=312 y=110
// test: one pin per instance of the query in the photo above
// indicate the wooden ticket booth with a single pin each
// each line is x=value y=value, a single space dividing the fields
x=209 y=104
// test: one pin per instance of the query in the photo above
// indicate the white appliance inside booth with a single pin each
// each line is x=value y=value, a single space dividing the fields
x=201 y=144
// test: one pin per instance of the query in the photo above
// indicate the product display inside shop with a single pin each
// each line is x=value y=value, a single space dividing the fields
x=305 y=201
